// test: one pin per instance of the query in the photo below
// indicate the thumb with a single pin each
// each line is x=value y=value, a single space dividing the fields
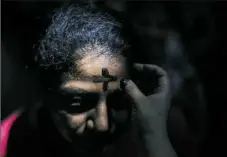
x=132 y=91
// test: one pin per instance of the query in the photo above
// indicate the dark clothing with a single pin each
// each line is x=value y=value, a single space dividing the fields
x=41 y=140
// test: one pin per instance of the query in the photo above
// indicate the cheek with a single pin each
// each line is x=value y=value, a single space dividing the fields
x=120 y=117
x=76 y=120
x=121 y=108
x=121 y=112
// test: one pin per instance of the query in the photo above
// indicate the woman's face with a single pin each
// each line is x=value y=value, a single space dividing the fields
x=93 y=112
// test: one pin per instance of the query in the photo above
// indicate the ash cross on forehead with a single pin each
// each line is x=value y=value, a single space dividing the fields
x=105 y=79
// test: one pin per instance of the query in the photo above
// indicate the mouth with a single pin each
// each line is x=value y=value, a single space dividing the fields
x=91 y=137
x=90 y=144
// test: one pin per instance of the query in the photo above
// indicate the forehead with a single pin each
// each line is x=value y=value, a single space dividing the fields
x=90 y=67
x=88 y=86
x=92 y=64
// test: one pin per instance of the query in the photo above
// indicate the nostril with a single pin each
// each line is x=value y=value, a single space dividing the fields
x=90 y=124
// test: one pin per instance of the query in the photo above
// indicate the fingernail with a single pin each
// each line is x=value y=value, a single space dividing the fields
x=123 y=83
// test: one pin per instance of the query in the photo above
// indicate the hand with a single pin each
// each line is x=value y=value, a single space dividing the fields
x=152 y=110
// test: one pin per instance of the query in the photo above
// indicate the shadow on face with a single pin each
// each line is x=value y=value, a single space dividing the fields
x=87 y=109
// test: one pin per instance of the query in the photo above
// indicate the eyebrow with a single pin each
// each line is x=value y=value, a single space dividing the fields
x=106 y=78
x=99 y=79
x=73 y=91
x=79 y=91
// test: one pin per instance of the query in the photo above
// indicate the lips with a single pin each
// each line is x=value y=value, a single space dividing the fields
x=91 y=142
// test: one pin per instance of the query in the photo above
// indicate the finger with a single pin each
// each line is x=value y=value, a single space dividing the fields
x=132 y=91
x=163 y=81
x=150 y=67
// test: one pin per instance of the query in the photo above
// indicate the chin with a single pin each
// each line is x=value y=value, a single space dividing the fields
x=89 y=149
x=94 y=150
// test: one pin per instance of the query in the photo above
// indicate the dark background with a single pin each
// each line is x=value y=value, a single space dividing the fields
x=202 y=26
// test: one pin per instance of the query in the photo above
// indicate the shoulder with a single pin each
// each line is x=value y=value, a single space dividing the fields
x=24 y=134
x=5 y=126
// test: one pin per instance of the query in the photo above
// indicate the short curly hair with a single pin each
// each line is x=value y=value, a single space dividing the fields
x=72 y=30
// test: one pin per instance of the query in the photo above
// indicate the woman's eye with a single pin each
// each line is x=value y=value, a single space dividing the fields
x=117 y=101
x=80 y=104
x=76 y=101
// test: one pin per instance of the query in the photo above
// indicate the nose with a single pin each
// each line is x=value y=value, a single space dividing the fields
x=100 y=119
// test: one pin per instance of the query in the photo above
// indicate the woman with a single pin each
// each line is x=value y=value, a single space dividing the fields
x=91 y=109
